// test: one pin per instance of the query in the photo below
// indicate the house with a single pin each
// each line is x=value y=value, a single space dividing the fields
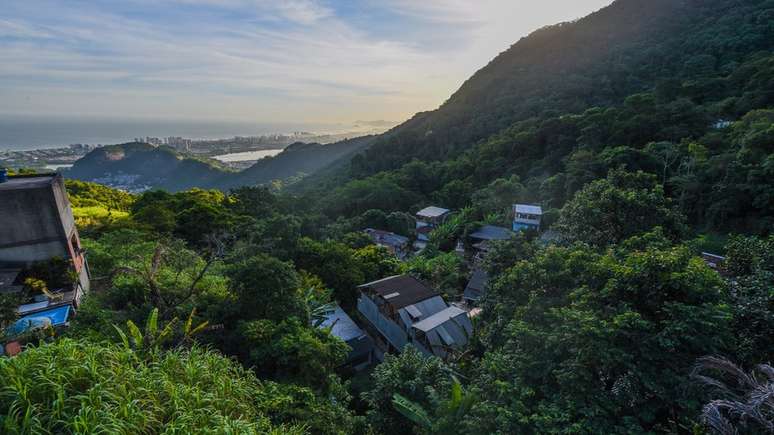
x=427 y=220
x=395 y=243
x=443 y=332
x=526 y=217
x=714 y=261
x=491 y=233
x=483 y=237
x=343 y=327
x=476 y=286
x=393 y=306
x=38 y=240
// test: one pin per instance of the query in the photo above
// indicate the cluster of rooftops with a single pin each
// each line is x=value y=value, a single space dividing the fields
x=525 y=217
x=400 y=310
x=396 y=311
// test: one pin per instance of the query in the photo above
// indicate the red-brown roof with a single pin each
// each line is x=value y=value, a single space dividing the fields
x=401 y=291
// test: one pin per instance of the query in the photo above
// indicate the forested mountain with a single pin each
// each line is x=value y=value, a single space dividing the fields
x=681 y=89
x=626 y=48
x=297 y=160
x=646 y=132
x=139 y=165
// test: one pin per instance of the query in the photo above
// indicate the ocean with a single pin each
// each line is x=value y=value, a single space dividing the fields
x=25 y=133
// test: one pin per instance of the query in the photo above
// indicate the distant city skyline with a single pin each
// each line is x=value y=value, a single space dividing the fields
x=300 y=61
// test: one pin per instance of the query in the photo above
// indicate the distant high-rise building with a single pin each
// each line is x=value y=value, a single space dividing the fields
x=179 y=143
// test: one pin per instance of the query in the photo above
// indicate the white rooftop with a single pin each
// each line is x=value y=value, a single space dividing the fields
x=528 y=209
x=432 y=212
x=439 y=318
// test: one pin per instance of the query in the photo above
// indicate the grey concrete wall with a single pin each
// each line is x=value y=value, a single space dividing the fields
x=28 y=214
x=36 y=220
x=33 y=253
x=63 y=205
x=389 y=329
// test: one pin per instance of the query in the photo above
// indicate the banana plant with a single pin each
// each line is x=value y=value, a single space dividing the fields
x=189 y=330
x=447 y=415
x=154 y=336
x=319 y=309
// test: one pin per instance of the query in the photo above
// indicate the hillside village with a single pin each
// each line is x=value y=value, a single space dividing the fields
x=578 y=240
x=41 y=249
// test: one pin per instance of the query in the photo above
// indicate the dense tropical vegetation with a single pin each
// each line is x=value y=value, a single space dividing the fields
x=646 y=148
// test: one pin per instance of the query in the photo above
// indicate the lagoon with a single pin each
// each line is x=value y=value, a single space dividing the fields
x=247 y=156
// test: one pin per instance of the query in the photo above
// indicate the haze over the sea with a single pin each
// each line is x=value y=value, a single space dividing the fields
x=23 y=133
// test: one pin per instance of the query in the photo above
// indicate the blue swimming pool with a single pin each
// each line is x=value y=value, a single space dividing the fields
x=58 y=315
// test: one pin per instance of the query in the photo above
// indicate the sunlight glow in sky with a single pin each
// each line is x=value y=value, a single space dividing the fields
x=255 y=60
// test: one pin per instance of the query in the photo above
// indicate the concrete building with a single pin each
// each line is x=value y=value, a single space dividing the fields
x=527 y=217
x=427 y=220
x=37 y=231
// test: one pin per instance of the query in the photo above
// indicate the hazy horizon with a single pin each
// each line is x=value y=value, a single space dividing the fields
x=254 y=61
x=31 y=132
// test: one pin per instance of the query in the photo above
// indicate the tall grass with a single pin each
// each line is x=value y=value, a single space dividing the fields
x=81 y=387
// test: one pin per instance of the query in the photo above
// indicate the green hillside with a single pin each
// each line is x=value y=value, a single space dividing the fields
x=645 y=131
x=135 y=166
x=297 y=160
x=139 y=166
x=649 y=87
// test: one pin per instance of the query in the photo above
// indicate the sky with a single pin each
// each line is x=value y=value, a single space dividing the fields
x=255 y=60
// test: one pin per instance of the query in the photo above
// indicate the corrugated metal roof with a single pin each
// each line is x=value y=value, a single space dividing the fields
x=343 y=325
x=491 y=232
x=409 y=290
x=476 y=285
x=438 y=318
x=414 y=311
x=432 y=212
x=426 y=308
x=386 y=237
x=528 y=209
x=447 y=339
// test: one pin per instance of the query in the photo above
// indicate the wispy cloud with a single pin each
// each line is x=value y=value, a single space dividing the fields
x=256 y=60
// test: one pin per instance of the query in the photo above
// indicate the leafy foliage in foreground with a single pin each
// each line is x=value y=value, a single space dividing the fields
x=77 y=387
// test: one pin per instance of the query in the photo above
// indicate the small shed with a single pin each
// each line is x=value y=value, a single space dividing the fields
x=476 y=286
